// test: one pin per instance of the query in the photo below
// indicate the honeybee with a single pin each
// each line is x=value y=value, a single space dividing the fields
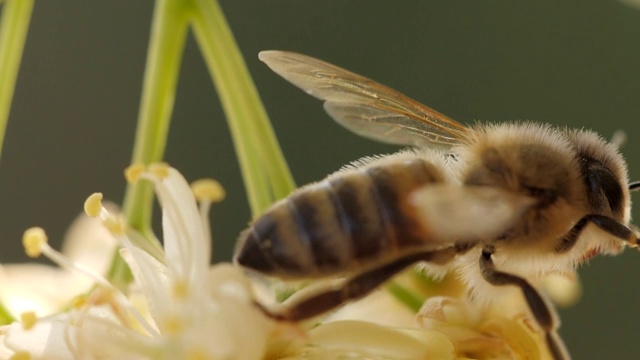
x=501 y=204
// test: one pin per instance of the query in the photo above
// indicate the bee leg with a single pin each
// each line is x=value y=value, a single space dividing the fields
x=542 y=312
x=354 y=287
x=605 y=223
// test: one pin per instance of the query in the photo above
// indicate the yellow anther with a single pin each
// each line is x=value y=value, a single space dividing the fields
x=79 y=301
x=172 y=325
x=115 y=225
x=101 y=296
x=208 y=190
x=20 y=355
x=93 y=204
x=28 y=319
x=180 y=289
x=195 y=354
x=160 y=169
x=33 y=240
x=132 y=173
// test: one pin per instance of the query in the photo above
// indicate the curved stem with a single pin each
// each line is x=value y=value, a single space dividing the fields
x=16 y=16
x=265 y=172
x=14 y=25
x=166 y=45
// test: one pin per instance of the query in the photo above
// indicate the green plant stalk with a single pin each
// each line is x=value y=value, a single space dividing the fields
x=265 y=172
x=166 y=46
x=16 y=16
x=14 y=25
x=407 y=297
x=5 y=316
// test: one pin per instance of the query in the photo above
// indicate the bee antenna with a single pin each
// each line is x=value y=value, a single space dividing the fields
x=634 y=185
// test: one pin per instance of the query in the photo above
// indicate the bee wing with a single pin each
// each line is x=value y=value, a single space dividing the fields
x=364 y=106
x=468 y=213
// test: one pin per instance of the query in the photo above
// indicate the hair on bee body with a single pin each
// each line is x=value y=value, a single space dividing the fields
x=349 y=210
x=500 y=204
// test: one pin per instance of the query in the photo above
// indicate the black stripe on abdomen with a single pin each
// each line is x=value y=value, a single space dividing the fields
x=393 y=186
x=318 y=221
x=358 y=212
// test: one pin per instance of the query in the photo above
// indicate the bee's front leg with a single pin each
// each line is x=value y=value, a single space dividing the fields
x=605 y=223
x=542 y=312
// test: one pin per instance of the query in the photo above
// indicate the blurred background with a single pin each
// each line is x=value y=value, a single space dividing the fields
x=572 y=63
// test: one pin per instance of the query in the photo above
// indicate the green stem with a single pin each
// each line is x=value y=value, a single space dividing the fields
x=166 y=45
x=14 y=25
x=407 y=297
x=13 y=33
x=264 y=170
x=5 y=316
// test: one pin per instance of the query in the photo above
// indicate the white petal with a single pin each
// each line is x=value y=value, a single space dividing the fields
x=102 y=338
x=237 y=326
x=379 y=307
x=151 y=279
x=372 y=341
x=187 y=247
x=89 y=243
x=5 y=352
x=46 y=289
x=44 y=341
x=39 y=288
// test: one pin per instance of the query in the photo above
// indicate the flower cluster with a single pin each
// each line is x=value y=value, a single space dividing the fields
x=178 y=307
x=181 y=307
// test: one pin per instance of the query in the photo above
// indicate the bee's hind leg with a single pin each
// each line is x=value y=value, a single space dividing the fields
x=542 y=312
x=352 y=288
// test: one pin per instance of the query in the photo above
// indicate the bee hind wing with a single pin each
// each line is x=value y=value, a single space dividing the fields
x=387 y=126
x=364 y=106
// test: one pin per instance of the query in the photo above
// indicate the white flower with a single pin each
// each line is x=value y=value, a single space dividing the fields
x=179 y=307
x=448 y=325
x=46 y=289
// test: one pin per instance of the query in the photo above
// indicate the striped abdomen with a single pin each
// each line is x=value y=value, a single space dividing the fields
x=340 y=223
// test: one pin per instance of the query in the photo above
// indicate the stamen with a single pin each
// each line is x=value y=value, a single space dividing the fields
x=33 y=240
x=93 y=204
x=160 y=169
x=79 y=301
x=93 y=207
x=208 y=190
x=204 y=208
x=120 y=307
x=20 y=355
x=133 y=172
x=172 y=325
x=35 y=244
x=28 y=319
x=67 y=338
x=115 y=225
x=180 y=289
x=107 y=297
x=197 y=355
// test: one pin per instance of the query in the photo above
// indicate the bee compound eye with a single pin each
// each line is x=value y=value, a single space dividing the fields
x=604 y=189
